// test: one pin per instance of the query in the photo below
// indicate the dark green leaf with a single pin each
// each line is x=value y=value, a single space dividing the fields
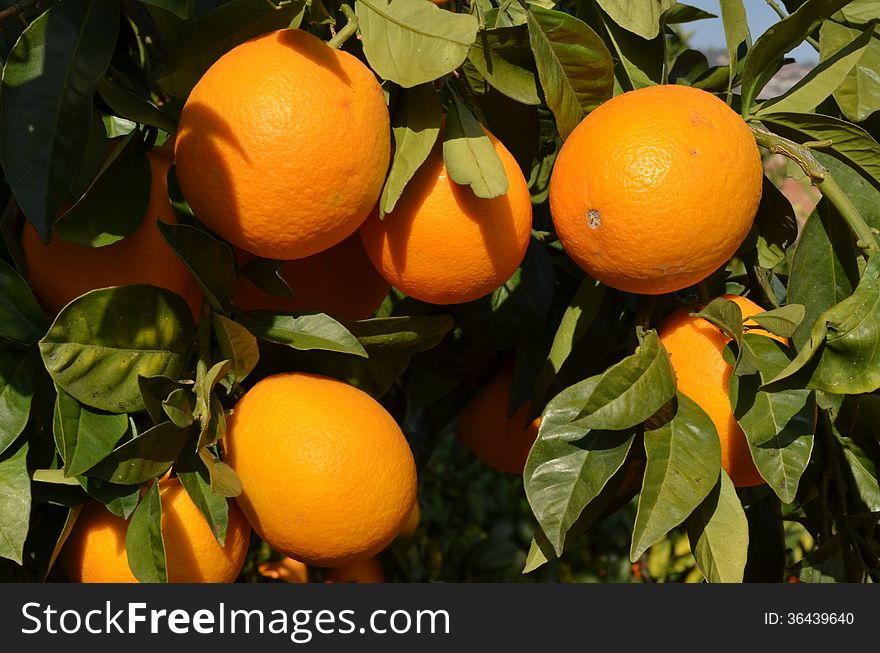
x=736 y=32
x=145 y=457
x=178 y=407
x=115 y=204
x=726 y=315
x=642 y=18
x=682 y=13
x=239 y=347
x=47 y=87
x=684 y=460
x=211 y=261
x=154 y=390
x=782 y=321
x=144 y=545
x=102 y=342
x=84 y=437
x=180 y=8
x=304 y=332
x=767 y=549
x=503 y=57
x=824 y=565
x=17 y=380
x=764 y=58
x=864 y=473
x=719 y=534
x=204 y=41
x=264 y=274
x=21 y=319
x=775 y=226
x=824 y=269
x=224 y=481
x=93 y=157
x=574 y=66
x=859 y=94
x=469 y=155
x=121 y=500
x=821 y=81
x=779 y=426
x=15 y=501
x=195 y=479
x=437 y=41
x=129 y=105
x=416 y=125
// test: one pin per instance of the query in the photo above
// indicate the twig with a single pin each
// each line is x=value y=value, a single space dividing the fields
x=348 y=30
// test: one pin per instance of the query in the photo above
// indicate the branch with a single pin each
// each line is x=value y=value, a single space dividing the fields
x=348 y=30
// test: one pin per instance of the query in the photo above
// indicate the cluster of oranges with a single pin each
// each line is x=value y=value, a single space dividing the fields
x=282 y=150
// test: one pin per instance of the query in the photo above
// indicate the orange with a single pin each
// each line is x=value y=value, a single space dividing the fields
x=656 y=189
x=501 y=440
x=695 y=349
x=61 y=271
x=412 y=523
x=95 y=550
x=283 y=145
x=287 y=570
x=327 y=476
x=361 y=571
x=339 y=281
x=444 y=245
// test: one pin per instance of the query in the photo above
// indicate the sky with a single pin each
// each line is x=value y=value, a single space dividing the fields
x=709 y=33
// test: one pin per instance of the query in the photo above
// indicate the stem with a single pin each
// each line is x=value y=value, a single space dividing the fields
x=821 y=179
x=782 y=15
x=349 y=30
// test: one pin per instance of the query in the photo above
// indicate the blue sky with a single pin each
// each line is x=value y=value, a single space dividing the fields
x=709 y=33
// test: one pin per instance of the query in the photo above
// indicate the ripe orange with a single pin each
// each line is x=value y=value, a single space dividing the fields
x=95 y=550
x=339 y=281
x=61 y=271
x=412 y=523
x=360 y=571
x=501 y=440
x=444 y=245
x=283 y=145
x=287 y=570
x=655 y=190
x=695 y=349
x=327 y=476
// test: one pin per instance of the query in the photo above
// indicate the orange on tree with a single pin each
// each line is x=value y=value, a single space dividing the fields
x=444 y=245
x=95 y=550
x=412 y=523
x=499 y=439
x=695 y=348
x=283 y=145
x=340 y=281
x=286 y=570
x=61 y=271
x=656 y=189
x=327 y=475
x=368 y=570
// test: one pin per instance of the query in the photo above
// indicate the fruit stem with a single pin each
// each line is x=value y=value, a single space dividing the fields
x=821 y=178
x=347 y=31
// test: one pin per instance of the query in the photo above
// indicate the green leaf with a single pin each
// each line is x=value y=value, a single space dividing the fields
x=211 y=261
x=782 y=321
x=821 y=81
x=864 y=473
x=178 y=407
x=849 y=143
x=114 y=205
x=684 y=460
x=180 y=8
x=224 y=481
x=125 y=102
x=196 y=481
x=47 y=87
x=682 y=13
x=719 y=534
x=825 y=564
x=84 y=437
x=435 y=41
x=629 y=392
x=859 y=94
x=143 y=458
x=861 y=191
x=304 y=332
x=469 y=156
x=144 y=545
x=576 y=321
x=239 y=347
x=121 y=500
x=765 y=58
x=775 y=227
x=570 y=464
x=102 y=342
x=209 y=411
x=204 y=41
x=264 y=274
x=778 y=426
x=503 y=57
x=845 y=341
x=15 y=502
x=17 y=381
x=416 y=124
x=642 y=18
x=574 y=66
x=154 y=390
x=736 y=32
x=726 y=315
x=21 y=319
